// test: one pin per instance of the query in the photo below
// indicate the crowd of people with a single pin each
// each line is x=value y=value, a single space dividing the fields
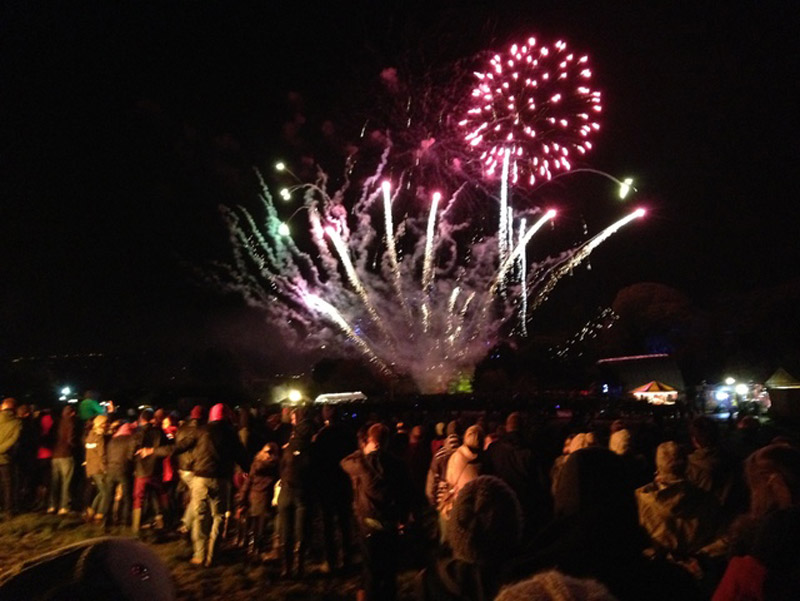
x=623 y=509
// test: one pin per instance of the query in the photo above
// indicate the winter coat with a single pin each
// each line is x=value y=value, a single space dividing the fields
x=256 y=492
x=333 y=443
x=714 y=471
x=120 y=453
x=463 y=466
x=297 y=465
x=380 y=489
x=767 y=567
x=216 y=451
x=679 y=517
x=10 y=430
x=436 y=484
x=186 y=437
x=96 y=462
x=514 y=462
x=68 y=434
x=149 y=436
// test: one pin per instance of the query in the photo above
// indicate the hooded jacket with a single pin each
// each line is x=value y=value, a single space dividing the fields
x=10 y=429
x=96 y=462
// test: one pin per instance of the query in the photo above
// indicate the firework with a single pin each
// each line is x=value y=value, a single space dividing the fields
x=532 y=110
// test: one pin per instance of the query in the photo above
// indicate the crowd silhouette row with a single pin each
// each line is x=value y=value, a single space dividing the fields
x=488 y=506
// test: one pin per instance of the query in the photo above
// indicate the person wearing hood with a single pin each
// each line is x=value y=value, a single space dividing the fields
x=10 y=430
x=119 y=458
x=484 y=532
x=595 y=533
x=679 y=517
x=296 y=495
x=97 y=468
x=464 y=465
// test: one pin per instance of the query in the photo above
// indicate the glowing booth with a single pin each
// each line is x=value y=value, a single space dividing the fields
x=656 y=392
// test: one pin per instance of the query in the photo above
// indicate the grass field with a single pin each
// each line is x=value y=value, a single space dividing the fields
x=27 y=536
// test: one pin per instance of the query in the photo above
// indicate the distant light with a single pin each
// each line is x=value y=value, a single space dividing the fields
x=721 y=395
x=66 y=391
x=285 y=194
x=730 y=381
x=625 y=188
x=742 y=389
x=295 y=396
x=283 y=229
x=280 y=166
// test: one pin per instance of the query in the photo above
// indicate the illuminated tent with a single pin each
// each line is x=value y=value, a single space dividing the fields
x=655 y=392
x=784 y=394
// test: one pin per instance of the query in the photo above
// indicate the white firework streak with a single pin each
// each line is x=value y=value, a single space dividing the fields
x=351 y=284
x=580 y=255
x=502 y=232
x=344 y=256
x=523 y=277
x=317 y=304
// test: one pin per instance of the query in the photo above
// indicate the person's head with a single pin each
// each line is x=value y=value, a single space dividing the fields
x=580 y=441
x=217 y=413
x=773 y=477
x=328 y=412
x=620 y=442
x=486 y=522
x=67 y=413
x=555 y=586
x=594 y=488
x=9 y=404
x=99 y=424
x=474 y=438
x=415 y=436
x=439 y=429
x=158 y=416
x=269 y=452
x=704 y=431
x=617 y=425
x=671 y=461
x=146 y=416
x=452 y=428
x=24 y=411
x=377 y=436
x=514 y=422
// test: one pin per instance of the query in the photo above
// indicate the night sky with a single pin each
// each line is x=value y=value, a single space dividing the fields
x=125 y=125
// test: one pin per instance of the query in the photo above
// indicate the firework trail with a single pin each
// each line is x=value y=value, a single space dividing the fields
x=422 y=296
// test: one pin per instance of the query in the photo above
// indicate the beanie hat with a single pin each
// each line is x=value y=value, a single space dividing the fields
x=217 y=413
x=670 y=462
x=197 y=412
x=555 y=586
x=620 y=442
x=485 y=522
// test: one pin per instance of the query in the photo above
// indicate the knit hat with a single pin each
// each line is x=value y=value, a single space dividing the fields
x=196 y=412
x=670 y=462
x=555 y=586
x=620 y=442
x=217 y=413
x=486 y=521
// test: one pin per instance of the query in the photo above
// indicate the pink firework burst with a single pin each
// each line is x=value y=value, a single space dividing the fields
x=535 y=104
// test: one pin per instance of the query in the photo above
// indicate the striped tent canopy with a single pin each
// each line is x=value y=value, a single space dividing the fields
x=653 y=387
